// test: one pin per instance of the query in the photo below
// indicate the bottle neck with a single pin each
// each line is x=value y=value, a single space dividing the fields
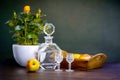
x=48 y=39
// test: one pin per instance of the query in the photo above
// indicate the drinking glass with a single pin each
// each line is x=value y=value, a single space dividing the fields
x=69 y=59
x=58 y=59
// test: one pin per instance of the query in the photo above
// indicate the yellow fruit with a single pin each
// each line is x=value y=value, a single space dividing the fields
x=85 y=57
x=33 y=64
x=76 y=56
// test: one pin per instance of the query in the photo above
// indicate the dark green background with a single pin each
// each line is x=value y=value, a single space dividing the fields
x=82 y=26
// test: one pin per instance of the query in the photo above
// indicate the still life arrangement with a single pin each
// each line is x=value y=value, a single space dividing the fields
x=29 y=53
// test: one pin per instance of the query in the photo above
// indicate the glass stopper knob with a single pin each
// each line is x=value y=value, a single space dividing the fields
x=49 y=29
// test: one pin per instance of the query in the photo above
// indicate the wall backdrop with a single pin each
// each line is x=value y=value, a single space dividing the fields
x=82 y=26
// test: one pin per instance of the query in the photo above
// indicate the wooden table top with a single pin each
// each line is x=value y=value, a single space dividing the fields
x=110 y=71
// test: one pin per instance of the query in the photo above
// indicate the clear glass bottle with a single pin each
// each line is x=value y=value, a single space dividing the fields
x=48 y=49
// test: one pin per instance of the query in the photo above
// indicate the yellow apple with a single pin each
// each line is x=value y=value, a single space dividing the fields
x=33 y=64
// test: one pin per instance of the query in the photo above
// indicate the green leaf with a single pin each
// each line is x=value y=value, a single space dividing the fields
x=31 y=36
x=17 y=28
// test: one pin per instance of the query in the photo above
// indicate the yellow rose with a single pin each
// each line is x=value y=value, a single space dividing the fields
x=27 y=9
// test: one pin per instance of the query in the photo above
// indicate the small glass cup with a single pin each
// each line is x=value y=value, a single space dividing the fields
x=69 y=59
x=58 y=59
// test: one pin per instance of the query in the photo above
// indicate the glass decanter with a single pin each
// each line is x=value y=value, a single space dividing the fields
x=47 y=50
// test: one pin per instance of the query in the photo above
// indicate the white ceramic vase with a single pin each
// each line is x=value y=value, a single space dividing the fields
x=22 y=53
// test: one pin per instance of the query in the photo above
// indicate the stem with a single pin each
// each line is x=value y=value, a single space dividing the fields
x=25 y=31
x=69 y=66
x=58 y=66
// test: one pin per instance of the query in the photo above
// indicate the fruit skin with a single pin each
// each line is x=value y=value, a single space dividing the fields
x=85 y=57
x=76 y=56
x=81 y=57
x=33 y=64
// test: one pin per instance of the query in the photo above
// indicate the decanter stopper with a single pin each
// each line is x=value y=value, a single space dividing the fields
x=49 y=29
